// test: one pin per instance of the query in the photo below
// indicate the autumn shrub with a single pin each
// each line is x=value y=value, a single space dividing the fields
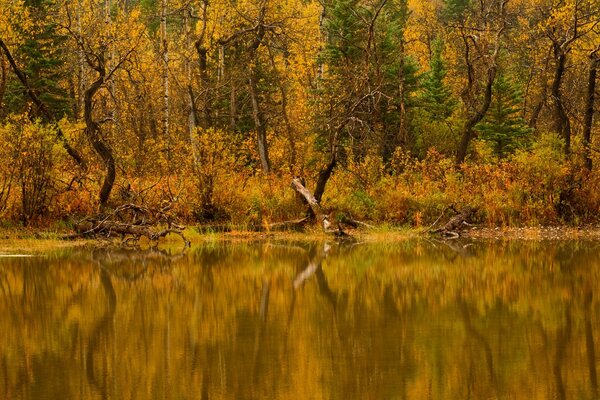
x=8 y=157
x=524 y=189
x=29 y=157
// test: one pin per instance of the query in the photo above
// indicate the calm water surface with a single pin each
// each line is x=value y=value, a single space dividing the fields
x=278 y=320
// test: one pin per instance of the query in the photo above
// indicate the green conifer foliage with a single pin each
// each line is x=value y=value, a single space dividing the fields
x=343 y=27
x=454 y=9
x=502 y=126
x=43 y=63
x=436 y=98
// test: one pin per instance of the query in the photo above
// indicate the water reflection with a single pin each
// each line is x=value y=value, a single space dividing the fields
x=303 y=320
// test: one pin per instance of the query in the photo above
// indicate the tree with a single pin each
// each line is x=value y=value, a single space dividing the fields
x=436 y=98
x=588 y=122
x=98 y=45
x=42 y=58
x=503 y=125
x=480 y=30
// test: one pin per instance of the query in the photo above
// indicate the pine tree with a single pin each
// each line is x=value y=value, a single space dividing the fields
x=43 y=59
x=454 y=9
x=502 y=126
x=436 y=98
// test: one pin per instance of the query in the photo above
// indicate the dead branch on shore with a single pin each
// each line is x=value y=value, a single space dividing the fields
x=322 y=217
x=455 y=225
x=131 y=222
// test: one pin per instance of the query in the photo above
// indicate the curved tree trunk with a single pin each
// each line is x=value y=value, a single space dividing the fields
x=93 y=133
x=476 y=118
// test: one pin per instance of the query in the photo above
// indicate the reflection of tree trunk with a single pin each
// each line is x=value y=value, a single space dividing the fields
x=101 y=327
x=478 y=337
x=324 y=288
x=562 y=339
x=259 y=337
x=589 y=342
x=205 y=383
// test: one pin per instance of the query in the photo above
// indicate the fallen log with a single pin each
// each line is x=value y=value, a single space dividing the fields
x=132 y=222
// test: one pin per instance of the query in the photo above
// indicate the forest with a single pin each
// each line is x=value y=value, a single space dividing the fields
x=389 y=111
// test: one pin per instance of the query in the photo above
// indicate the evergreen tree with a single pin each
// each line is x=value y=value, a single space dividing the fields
x=436 y=98
x=343 y=28
x=454 y=9
x=43 y=63
x=502 y=126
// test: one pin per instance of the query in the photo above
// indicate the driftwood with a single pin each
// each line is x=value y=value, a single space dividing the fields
x=456 y=224
x=132 y=222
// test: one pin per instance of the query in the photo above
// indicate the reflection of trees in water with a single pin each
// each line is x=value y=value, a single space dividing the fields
x=101 y=330
x=259 y=320
x=589 y=340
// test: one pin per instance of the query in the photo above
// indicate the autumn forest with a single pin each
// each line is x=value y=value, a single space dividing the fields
x=388 y=110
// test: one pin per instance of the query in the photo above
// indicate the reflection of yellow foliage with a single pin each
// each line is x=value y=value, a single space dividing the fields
x=376 y=321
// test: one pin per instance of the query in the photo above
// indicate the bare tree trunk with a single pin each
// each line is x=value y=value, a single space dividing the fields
x=202 y=50
x=313 y=203
x=93 y=133
x=191 y=98
x=468 y=96
x=259 y=122
x=110 y=83
x=476 y=118
x=561 y=119
x=402 y=129
x=233 y=111
x=324 y=175
x=165 y=75
x=535 y=114
x=81 y=77
x=284 y=112
x=588 y=119
x=3 y=77
x=257 y=112
x=204 y=84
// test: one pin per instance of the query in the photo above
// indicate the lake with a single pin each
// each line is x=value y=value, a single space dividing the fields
x=412 y=319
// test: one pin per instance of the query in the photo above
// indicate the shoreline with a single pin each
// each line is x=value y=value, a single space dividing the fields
x=35 y=241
